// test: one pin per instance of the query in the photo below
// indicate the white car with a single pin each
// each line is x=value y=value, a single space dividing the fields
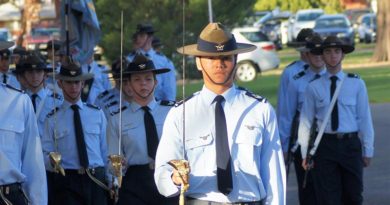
x=304 y=19
x=263 y=58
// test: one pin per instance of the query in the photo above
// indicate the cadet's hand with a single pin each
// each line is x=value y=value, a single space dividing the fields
x=305 y=165
x=176 y=178
x=366 y=161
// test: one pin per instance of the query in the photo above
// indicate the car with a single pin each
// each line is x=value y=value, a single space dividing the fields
x=39 y=36
x=354 y=14
x=367 y=28
x=5 y=34
x=303 y=19
x=263 y=58
x=336 y=25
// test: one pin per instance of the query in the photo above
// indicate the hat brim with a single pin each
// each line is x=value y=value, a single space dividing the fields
x=303 y=49
x=345 y=48
x=6 y=44
x=192 y=50
x=47 y=70
x=155 y=71
x=82 y=77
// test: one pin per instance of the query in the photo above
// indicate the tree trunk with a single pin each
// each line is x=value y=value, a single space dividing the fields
x=30 y=15
x=382 y=47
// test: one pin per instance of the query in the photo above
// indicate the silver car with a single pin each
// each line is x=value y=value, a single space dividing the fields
x=263 y=58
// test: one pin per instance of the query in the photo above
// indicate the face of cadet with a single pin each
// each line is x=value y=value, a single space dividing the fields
x=217 y=71
x=141 y=40
x=332 y=58
x=142 y=85
x=4 y=64
x=34 y=78
x=71 y=89
x=315 y=61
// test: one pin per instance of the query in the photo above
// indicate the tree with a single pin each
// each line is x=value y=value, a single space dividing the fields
x=30 y=14
x=330 y=6
x=382 y=47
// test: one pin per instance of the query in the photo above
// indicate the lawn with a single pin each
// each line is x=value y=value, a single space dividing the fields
x=377 y=78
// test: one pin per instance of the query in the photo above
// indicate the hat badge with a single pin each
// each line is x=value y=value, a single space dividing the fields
x=142 y=66
x=72 y=72
x=34 y=66
x=219 y=47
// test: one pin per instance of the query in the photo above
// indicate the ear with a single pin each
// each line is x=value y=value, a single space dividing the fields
x=198 y=64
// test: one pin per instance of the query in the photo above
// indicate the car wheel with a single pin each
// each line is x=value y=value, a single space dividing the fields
x=246 y=71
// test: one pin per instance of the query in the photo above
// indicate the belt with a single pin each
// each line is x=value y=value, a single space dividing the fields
x=193 y=201
x=9 y=188
x=82 y=171
x=340 y=136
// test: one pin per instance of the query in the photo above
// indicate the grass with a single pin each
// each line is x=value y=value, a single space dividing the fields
x=377 y=78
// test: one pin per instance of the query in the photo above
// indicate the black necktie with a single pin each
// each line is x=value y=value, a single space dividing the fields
x=81 y=147
x=335 y=112
x=151 y=133
x=33 y=99
x=4 y=78
x=224 y=172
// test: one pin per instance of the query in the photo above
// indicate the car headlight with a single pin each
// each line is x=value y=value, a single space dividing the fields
x=341 y=35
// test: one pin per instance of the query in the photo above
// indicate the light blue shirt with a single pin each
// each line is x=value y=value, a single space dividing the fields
x=11 y=80
x=62 y=130
x=134 y=142
x=100 y=80
x=21 y=159
x=294 y=96
x=45 y=102
x=257 y=159
x=353 y=110
x=166 y=82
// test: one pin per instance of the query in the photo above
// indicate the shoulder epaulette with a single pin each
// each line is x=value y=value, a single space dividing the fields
x=353 y=75
x=51 y=113
x=299 y=75
x=109 y=98
x=306 y=66
x=100 y=65
x=13 y=88
x=252 y=95
x=291 y=64
x=167 y=103
x=92 y=106
x=116 y=112
x=185 y=100
x=56 y=96
x=101 y=95
x=112 y=103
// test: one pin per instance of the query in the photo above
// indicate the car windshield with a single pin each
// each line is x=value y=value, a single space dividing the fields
x=332 y=23
x=254 y=36
x=3 y=36
x=308 y=16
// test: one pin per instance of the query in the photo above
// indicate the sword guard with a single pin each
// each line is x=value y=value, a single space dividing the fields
x=117 y=164
x=183 y=169
x=55 y=159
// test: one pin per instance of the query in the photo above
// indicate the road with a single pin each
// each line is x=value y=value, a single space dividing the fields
x=377 y=175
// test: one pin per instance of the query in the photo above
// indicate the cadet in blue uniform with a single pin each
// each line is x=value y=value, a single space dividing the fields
x=99 y=83
x=22 y=173
x=347 y=144
x=77 y=131
x=287 y=76
x=109 y=99
x=32 y=71
x=166 y=87
x=290 y=115
x=231 y=137
x=141 y=129
x=6 y=76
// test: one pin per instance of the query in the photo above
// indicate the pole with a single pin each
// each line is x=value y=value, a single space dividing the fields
x=210 y=11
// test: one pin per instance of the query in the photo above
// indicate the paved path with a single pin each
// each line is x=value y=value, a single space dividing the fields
x=377 y=175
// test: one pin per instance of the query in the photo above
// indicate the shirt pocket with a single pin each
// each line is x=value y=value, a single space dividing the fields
x=9 y=133
x=62 y=138
x=348 y=101
x=199 y=149
x=248 y=144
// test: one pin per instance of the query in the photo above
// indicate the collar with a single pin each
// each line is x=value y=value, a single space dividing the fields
x=340 y=75
x=209 y=96
x=41 y=93
x=148 y=53
x=66 y=104
x=135 y=106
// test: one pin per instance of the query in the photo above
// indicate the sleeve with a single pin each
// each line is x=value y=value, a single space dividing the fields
x=272 y=171
x=283 y=83
x=364 y=119
x=306 y=119
x=106 y=81
x=169 y=148
x=48 y=143
x=32 y=160
x=287 y=111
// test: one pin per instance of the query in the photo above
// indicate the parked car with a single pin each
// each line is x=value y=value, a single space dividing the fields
x=354 y=14
x=263 y=58
x=337 y=25
x=303 y=19
x=367 y=28
x=5 y=34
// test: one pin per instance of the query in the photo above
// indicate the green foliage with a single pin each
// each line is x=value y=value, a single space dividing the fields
x=167 y=17
x=330 y=6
